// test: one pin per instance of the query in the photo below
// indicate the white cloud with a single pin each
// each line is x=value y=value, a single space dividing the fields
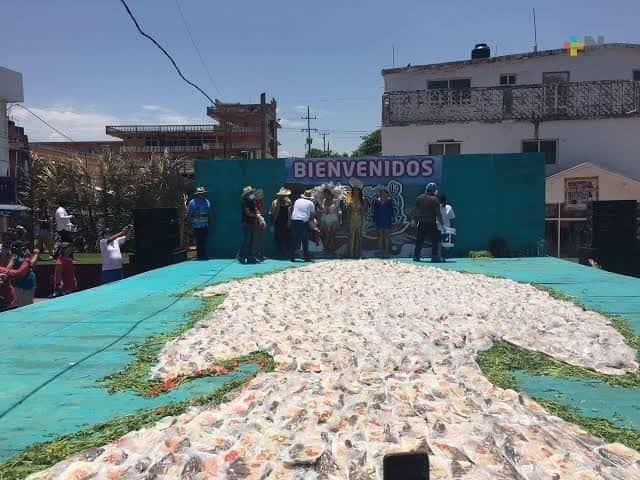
x=285 y=122
x=86 y=124
x=79 y=125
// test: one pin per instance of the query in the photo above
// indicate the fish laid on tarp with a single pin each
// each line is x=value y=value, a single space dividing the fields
x=373 y=358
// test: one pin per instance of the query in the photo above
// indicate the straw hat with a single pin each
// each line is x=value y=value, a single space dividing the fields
x=283 y=192
x=247 y=190
x=200 y=190
x=308 y=194
x=355 y=183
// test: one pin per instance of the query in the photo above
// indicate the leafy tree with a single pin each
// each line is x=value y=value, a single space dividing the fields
x=317 y=153
x=108 y=194
x=371 y=145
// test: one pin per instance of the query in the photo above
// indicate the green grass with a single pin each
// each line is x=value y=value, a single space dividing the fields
x=43 y=455
x=82 y=259
x=135 y=377
x=500 y=362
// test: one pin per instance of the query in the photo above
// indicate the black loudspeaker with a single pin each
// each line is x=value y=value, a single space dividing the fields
x=615 y=234
x=157 y=238
x=406 y=466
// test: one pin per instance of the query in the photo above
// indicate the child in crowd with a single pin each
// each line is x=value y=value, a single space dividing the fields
x=64 y=279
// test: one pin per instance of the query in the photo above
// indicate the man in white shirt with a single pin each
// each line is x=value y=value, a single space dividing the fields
x=64 y=227
x=111 y=254
x=448 y=219
x=302 y=213
x=448 y=215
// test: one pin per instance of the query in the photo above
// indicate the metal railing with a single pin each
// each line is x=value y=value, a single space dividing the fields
x=187 y=148
x=116 y=130
x=560 y=101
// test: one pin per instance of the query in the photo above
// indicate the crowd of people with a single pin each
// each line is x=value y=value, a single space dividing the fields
x=316 y=215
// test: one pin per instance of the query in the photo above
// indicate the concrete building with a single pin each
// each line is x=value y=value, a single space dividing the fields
x=243 y=131
x=575 y=109
x=10 y=91
x=86 y=153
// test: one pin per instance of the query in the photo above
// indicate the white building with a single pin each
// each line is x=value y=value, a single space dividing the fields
x=10 y=91
x=577 y=109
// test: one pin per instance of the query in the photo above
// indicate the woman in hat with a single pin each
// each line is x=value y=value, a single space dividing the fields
x=330 y=216
x=356 y=210
x=199 y=212
x=249 y=223
x=280 y=214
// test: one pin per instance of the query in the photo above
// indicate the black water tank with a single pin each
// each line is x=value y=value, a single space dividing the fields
x=481 y=50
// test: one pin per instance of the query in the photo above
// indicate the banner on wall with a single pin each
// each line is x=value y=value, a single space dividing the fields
x=579 y=191
x=404 y=178
x=409 y=170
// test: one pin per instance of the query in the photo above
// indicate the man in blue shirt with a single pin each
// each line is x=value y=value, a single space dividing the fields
x=200 y=214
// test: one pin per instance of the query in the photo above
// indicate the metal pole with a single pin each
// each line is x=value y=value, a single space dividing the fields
x=559 y=209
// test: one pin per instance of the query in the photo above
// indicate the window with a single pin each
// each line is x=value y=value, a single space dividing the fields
x=555 y=77
x=445 y=148
x=459 y=83
x=548 y=147
x=636 y=75
x=508 y=79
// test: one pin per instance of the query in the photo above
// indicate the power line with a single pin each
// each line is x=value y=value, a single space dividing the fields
x=175 y=65
x=45 y=122
x=195 y=45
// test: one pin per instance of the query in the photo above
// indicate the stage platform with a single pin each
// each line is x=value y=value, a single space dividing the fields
x=52 y=353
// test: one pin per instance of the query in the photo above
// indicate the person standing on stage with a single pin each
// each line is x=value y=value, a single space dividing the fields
x=383 y=217
x=201 y=216
x=356 y=211
x=448 y=219
x=280 y=214
x=427 y=215
x=303 y=212
x=249 y=223
x=257 y=243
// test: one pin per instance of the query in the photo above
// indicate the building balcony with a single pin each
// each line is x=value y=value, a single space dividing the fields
x=184 y=130
x=533 y=103
x=205 y=147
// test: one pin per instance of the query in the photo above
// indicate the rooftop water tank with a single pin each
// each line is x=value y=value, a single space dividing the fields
x=481 y=50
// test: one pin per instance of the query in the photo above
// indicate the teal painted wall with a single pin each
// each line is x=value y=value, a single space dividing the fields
x=493 y=196
x=496 y=196
x=224 y=180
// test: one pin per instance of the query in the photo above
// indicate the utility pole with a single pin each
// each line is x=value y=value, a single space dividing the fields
x=308 y=118
x=324 y=141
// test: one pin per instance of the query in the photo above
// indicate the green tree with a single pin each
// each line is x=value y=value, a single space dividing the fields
x=371 y=145
x=317 y=153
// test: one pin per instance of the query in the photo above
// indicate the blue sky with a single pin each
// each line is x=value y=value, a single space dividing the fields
x=85 y=65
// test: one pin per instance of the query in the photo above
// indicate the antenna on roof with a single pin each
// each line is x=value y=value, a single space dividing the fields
x=393 y=48
x=535 y=32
